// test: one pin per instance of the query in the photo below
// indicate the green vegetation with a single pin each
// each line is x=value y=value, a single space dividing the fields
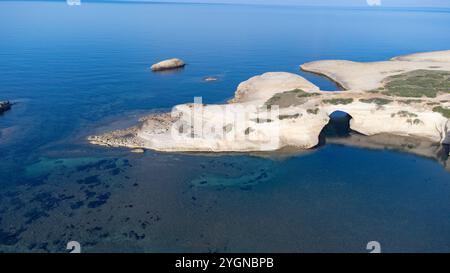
x=261 y=120
x=417 y=121
x=444 y=111
x=414 y=122
x=338 y=101
x=302 y=94
x=417 y=84
x=406 y=114
x=281 y=117
x=313 y=111
x=410 y=101
x=290 y=98
x=377 y=101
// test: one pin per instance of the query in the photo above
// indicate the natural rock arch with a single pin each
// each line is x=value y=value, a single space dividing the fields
x=337 y=126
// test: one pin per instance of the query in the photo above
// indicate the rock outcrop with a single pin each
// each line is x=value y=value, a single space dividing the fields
x=210 y=79
x=405 y=97
x=264 y=86
x=168 y=64
x=4 y=106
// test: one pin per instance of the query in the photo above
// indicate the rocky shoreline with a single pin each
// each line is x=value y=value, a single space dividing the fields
x=407 y=96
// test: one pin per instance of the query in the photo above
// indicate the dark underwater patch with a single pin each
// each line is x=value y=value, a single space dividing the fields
x=9 y=239
x=16 y=203
x=90 y=180
x=89 y=194
x=96 y=165
x=133 y=235
x=115 y=171
x=34 y=215
x=77 y=205
x=101 y=200
x=46 y=200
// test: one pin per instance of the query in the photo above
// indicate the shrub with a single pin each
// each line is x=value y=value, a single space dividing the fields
x=313 y=111
x=418 y=83
x=338 y=101
x=281 y=117
x=377 y=101
x=444 y=111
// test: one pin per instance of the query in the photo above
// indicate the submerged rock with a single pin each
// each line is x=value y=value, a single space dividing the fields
x=168 y=64
x=5 y=106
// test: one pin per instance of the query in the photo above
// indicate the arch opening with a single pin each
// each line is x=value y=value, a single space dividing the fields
x=337 y=127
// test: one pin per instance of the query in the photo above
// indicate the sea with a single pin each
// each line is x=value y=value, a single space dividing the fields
x=77 y=70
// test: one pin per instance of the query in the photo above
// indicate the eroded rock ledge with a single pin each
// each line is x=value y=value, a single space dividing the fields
x=406 y=96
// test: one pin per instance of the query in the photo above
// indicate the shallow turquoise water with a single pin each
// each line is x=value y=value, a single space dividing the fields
x=75 y=70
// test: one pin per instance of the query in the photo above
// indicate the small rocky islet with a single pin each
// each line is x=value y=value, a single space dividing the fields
x=5 y=106
x=168 y=64
x=210 y=79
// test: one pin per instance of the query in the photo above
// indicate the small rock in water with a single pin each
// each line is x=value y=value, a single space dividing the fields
x=138 y=151
x=210 y=79
x=4 y=106
x=168 y=64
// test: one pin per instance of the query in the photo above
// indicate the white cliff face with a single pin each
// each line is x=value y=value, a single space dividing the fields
x=303 y=132
x=215 y=128
x=279 y=109
x=219 y=130
x=395 y=119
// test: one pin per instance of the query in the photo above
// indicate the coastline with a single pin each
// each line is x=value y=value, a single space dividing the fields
x=307 y=109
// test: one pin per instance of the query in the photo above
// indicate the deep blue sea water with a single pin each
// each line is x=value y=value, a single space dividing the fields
x=75 y=70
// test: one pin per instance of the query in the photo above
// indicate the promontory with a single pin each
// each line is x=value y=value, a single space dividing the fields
x=406 y=96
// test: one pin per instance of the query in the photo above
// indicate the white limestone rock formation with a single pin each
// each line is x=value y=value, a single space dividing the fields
x=264 y=86
x=406 y=96
x=168 y=64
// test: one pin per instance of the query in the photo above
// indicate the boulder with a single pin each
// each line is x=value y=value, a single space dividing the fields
x=210 y=79
x=168 y=64
x=4 y=106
